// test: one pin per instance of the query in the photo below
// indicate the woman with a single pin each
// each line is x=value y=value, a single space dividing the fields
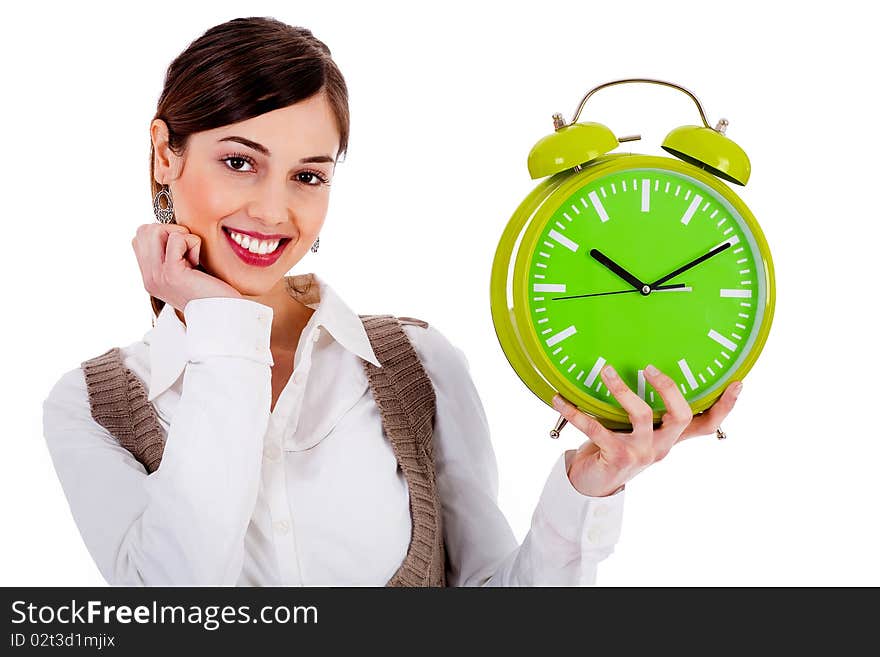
x=251 y=451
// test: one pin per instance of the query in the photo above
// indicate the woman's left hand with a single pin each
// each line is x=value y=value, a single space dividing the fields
x=610 y=458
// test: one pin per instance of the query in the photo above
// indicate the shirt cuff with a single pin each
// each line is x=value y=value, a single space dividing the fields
x=228 y=326
x=591 y=522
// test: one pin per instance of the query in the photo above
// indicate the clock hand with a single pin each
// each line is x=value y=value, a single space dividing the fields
x=620 y=271
x=693 y=263
x=599 y=294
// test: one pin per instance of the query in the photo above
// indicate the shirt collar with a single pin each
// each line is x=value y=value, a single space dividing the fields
x=167 y=338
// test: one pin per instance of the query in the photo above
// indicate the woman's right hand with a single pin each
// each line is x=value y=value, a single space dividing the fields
x=168 y=255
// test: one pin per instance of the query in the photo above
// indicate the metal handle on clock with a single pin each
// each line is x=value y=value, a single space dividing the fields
x=722 y=124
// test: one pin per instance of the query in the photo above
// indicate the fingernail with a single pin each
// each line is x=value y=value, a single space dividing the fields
x=610 y=374
x=737 y=388
x=653 y=371
x=558 y=404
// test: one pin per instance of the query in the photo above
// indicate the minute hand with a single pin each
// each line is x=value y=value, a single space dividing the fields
x=692 y=263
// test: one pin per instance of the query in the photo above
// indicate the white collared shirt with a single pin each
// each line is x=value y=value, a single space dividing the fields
x=309 y=493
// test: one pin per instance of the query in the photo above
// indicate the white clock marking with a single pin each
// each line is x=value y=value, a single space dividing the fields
x=613 y=189
x=677 y=189
x=711 y=371
x=584 y=203
x=640 y=387
x=578 y=377
x=565 y=214
x=742 y=326
x=575 y=208
x=692 y=208
x=666 y=191
x=717 y=362
x=563 y=240
x=657 y=185
x=745 y=303
x=688 y=195
x=720 y=339
x=684 y=389
x=712 y=216
x=646 y=195
x=745 y=271
x=561 y=227
x=564 y=358
x=733 y=240
x=688 y=375
x=600 y=363
x=728 y=231
x=597 y=204
x=635 y=185
x=721 y=222
x=557 y=350
x=702 y=378
x=540 y=310
x=551 y=287
x=552 y=246
x=546 y=330
x=735 y=293
x=705 y=207
x=623 y=184
x=559 y=337
x=543 y=265
x=541 y=321
x=652 y=396
x=573 y=365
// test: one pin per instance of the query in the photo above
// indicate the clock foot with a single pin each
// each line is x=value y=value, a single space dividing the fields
x=561 y=422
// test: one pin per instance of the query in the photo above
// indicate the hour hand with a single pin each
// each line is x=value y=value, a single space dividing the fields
x=620 y=271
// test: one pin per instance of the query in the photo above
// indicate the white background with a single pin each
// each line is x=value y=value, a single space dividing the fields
x=446 y=103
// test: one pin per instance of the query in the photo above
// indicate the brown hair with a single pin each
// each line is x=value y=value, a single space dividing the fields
x=238 y=70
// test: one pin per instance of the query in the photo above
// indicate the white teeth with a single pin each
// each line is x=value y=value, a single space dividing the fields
x=254 y=245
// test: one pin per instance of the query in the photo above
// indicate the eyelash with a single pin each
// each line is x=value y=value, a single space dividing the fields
x=241 y=156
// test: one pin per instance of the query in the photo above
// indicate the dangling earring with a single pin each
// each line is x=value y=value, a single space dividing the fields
x=315 y=245
x=164 y=215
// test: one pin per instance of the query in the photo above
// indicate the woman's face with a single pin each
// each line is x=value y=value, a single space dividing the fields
x=267 y=175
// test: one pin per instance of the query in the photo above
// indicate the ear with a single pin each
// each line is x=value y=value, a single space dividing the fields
x=163 y=157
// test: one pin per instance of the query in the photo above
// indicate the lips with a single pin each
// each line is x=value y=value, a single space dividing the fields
x=256 y=259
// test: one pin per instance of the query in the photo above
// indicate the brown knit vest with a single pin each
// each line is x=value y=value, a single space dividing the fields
x=406 y=400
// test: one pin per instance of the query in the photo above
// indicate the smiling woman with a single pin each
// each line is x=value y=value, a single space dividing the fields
x=264 y=433
x=248 y=145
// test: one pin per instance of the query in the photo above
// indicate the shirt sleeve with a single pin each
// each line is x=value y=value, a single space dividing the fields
x=185 y=523
x=570 y=533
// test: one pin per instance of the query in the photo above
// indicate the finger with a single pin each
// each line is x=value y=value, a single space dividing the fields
x=641 y=415
x=178 y=245
x=589 y=425
x=705 y=423
x=678 y=412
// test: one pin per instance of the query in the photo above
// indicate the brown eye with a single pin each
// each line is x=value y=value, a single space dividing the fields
x=315 y=179
x=237 y=162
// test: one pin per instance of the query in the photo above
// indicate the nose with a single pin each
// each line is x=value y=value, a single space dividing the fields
x=270 y=204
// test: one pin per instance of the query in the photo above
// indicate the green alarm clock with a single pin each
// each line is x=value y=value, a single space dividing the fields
x=632 y=259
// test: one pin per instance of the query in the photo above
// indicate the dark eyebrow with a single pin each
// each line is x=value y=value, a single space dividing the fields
x=265 y=151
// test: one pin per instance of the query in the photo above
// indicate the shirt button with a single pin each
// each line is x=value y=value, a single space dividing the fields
x=272 y=452
x=601 y=511
x=595 y=534
x=282 y=526
x=316 y=335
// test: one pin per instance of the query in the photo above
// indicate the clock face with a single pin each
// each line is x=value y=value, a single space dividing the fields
x=603 y=287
